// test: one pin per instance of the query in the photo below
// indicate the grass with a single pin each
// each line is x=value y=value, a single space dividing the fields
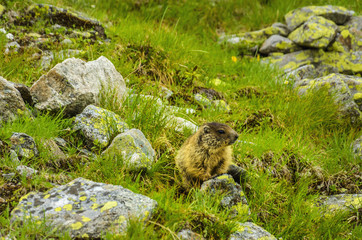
x=294 y=147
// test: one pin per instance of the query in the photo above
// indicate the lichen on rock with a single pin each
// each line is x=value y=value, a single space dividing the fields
x=85 y=208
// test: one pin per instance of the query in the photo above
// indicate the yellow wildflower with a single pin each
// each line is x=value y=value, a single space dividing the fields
x=234 y=59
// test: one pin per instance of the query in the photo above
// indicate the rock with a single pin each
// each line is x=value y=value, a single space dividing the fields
x=53 y=149
x=316 y=32
x=221 y=105
x=251 y=231
x=74 y=84
x=24 y=92
x=66 y=18
x=8 y=176
x=347 y=63
x=306 y=71
x=187 y=234
x=61 y=142
x=181 y=124
x=234 y=198
x=340 y=203
x=357 y=147
x=277 y=43
x=133 y=148
x=27 y=171
x=250 y=41
x=14 y=157
x=99 y=126
x=174 y=109
x=337 y=14
x=85 y=209
x=355 y=22
x=66 y=41
x=24 y=145
x=346 y=90
x=166 y=93
x=283 y=29
x=238 y=173
x=49 y=56
x=10 y=36
x=12 y=47
x=202 y=101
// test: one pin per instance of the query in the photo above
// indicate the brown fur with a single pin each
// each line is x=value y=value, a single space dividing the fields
x=206 y=154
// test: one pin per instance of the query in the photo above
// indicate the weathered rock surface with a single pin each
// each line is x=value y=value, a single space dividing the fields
x=133 y=148
x=24 y=92
x=337 y=14
x=85 y=208
x=340 y=203
x=251 y=231
x=181 y=124
x=99 y=126
x=11 y=102
x=346 y=90
x=316 y=32
x=66 y=18
x=187 y=234
x=27 y=171
x=234 y=198
x=277 y=43
x=306 y=71
x=24 y=145
x=357 y=147
x=52 y=147
x=74 y=84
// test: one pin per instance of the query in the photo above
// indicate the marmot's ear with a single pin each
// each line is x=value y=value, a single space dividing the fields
x=206 y=129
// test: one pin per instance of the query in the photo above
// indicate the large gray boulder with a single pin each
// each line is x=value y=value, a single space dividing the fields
x=99 y=125
x=251 y=231
x=337 y=14
x=316 y=32
x=133 y=148
x=84 y=208
x=11 y=102
x=74 y=84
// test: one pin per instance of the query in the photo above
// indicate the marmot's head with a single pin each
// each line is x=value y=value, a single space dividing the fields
x=215 y=135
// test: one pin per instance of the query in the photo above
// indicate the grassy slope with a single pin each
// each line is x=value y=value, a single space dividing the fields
x=300 y=148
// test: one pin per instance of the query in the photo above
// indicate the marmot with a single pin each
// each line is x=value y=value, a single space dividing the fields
x=206 y=154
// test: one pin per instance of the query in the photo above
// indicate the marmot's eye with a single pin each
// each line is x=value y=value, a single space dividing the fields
x=221 y=131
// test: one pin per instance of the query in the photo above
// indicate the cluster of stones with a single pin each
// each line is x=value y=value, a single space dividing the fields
x=66 y=27
x=319 y=46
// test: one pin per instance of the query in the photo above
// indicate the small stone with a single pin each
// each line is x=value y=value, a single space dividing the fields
x=24 y=145
x=187 y=234
x=66 y=41
x=8 y=176
x=251 y=231
x=12 y=47
x=29 y=172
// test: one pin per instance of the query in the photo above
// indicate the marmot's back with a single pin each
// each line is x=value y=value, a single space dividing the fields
x=206 y=153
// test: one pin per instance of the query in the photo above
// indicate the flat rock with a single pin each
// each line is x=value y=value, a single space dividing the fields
x=133 y=148
x=234 y=198
x=181 y=124
x=316 y=32
x=306 y=71
x=11 y=102
x=27 y=171
x=187 y=234
x=74 y=84
x=251 y=231
x=84 y=208
x=337 y=14
x=99 y=125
